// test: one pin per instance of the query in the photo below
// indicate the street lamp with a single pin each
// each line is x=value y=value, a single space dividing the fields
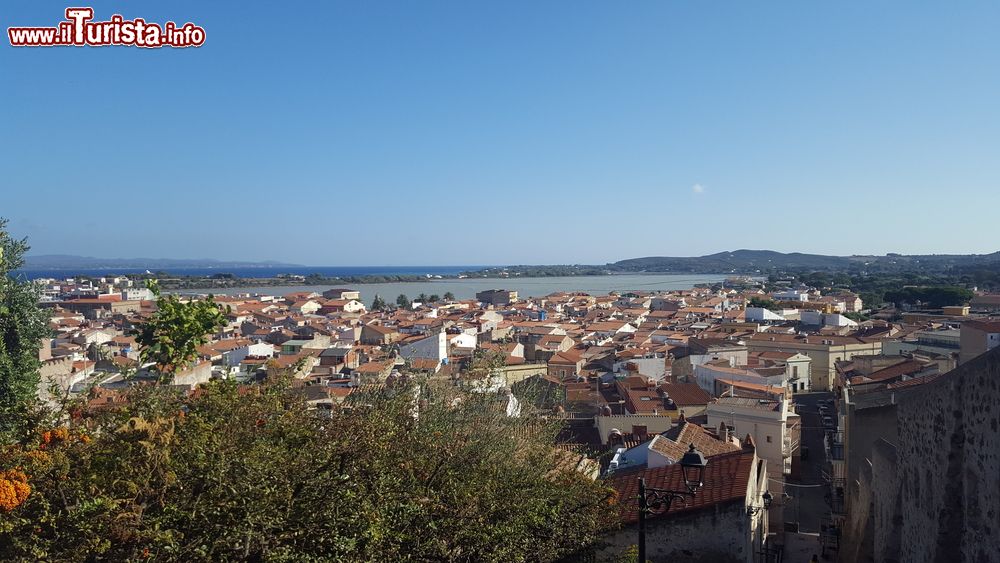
x=693 y=465
x=766 y=499
x=657 y=501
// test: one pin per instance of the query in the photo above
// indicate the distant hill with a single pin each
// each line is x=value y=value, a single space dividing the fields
x=759 y=261
x=70 y=262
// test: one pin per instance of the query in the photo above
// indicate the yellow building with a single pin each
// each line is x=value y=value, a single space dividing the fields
x=824 y=351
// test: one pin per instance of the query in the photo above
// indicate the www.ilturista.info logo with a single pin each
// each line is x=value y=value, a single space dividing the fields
x=79 y=30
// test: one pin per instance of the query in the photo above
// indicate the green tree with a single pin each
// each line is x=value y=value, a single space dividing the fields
x=485 y=364
x=434 y=298
x=171 y=337
x=423 y=473
x=403 y=302
x=857 y=317
x=449 y=296
x=422 y=298
x=763 y=303
x=23 y=326
x=378 y=304
x=934 y=296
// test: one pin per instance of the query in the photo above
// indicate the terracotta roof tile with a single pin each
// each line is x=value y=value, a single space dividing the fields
x=673 y=443
x=686 y=393
x=726 y=478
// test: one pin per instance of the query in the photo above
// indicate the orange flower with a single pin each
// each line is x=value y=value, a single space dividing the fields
x=14 y=489
x=85 y=438
x=37 y=456
x=50 y=437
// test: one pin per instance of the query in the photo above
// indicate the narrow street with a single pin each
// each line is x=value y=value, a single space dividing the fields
x=807 y=492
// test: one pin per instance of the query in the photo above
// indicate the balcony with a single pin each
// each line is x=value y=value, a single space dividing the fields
x=835 y=445
x=829 y=536
x=837 y=497
x=837 y=505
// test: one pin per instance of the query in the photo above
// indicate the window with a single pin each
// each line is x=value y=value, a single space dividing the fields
x=768 y=439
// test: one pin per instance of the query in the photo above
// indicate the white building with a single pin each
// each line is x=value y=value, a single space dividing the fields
x=433 y=347
x=791 y=295
x=772 y=423
x=236 y=356
x=462 y=340
x=137 y=294
x=705 y=375
x=816 y=318
x=760 y=314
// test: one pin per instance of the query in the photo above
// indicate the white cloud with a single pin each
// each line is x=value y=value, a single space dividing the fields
x=698 y=189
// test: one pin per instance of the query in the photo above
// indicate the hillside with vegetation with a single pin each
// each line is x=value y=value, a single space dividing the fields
x=768 y=261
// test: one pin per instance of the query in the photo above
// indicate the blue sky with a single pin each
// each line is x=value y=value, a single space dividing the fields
x=407 y=133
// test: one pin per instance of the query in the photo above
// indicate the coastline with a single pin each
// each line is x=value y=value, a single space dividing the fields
x=466 y=288
x=248 y=283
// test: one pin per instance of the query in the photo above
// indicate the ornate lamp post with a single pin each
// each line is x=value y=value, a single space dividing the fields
x=766 y=500
x=657 y=501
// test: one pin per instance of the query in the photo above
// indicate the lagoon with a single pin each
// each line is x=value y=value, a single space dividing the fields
x=466 y=288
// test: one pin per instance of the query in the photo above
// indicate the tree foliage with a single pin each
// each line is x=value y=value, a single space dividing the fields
x=402 y=301
x=238 y=474
x=935 y=296
x=378 y=304
x=23 y=325
x=929 y=286
x=763 y=303
x=171 y=337
x=485 y=364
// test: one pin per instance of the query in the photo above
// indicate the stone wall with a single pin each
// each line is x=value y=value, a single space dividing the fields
x=935 y=489
x=516 y=373
x=885 y=501
x=949 y=466
x=58 y=371
x=863 y=426
x=624 y=423
x=857 y=546
x=719 y=534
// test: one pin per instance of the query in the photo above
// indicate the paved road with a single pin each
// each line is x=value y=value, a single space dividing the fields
x=808 y=503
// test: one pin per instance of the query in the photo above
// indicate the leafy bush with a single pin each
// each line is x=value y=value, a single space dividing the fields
x=248 y=473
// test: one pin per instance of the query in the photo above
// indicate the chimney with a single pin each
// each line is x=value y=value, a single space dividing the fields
x=724 y=433
x=615 y=438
